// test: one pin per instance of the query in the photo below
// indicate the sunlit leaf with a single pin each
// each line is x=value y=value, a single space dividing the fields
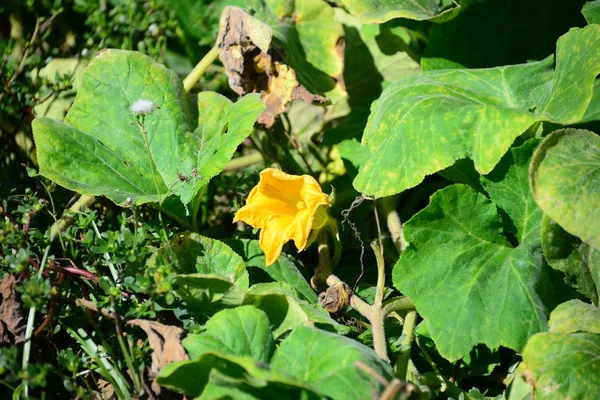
x=424 y=122
x=564 y=175
x=460 y=268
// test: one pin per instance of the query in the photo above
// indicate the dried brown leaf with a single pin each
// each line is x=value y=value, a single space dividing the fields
x=12 y=317
x=255 y=65
x=165 y=341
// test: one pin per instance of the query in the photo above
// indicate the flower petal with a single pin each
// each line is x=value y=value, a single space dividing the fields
x=284 y=207
x=273 y=237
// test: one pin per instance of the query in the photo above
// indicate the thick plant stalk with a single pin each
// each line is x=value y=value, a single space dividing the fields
x=200 y=68
x=374 y=313
x=394 y=224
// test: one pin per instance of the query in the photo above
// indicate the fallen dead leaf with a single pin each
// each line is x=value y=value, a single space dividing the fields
x=255 y=65
x=165 y=342
x=12 y=317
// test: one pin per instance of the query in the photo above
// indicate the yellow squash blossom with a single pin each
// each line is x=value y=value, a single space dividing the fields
x=284 y=207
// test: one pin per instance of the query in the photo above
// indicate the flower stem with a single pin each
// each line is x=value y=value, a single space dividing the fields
x=379 y=343
x=200 y=68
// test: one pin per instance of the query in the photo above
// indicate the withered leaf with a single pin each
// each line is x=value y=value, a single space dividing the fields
x=12 y=318
x=165 y=342
x=254 y=64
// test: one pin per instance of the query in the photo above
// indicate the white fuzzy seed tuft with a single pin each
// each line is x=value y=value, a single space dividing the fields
x=141 y=107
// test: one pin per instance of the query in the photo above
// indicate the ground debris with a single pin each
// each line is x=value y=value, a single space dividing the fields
x=165 y=342
x=12 y=316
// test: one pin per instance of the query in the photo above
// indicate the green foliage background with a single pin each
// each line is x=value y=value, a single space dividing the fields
x=460 y=139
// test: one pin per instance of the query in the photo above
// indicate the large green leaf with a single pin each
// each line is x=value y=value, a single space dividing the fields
x=112 y=146
x=327 y=362
x=565 y=176
x=563 y=366
x=564 y=363
x=434 y=118
x=242 y=331
x=222 y=387
x=372 y=12
x=374 y=56
x=309 y=34
x=508 y=187
x=468 y=282
x=579 y=261
x=191 y=376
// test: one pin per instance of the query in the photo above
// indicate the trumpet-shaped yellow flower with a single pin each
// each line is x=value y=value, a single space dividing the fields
x=284 y=207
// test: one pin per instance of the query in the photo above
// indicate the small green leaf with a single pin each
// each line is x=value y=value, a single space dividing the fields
x=436 y=117
x=286 y=311
x=242 y=331
x=191 y=253
x=353 y=152
x=564 y=176
x=591 y=12
x=579 y=261
x=373 y=12
x=207 y=294
x=460 y=268
x=327 y=362
x=508 y=187
x=283 y=270
x=575 y=316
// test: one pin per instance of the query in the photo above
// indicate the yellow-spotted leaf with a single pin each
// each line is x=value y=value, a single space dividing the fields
x=565 y=362
x=565 y=181
x=469 y=283
x=423 y=123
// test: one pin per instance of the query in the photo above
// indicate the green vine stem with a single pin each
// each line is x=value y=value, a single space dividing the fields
x=200 y=68
x=253 y=157
x=397 y=304
x=374 y=313
x=408 y=329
